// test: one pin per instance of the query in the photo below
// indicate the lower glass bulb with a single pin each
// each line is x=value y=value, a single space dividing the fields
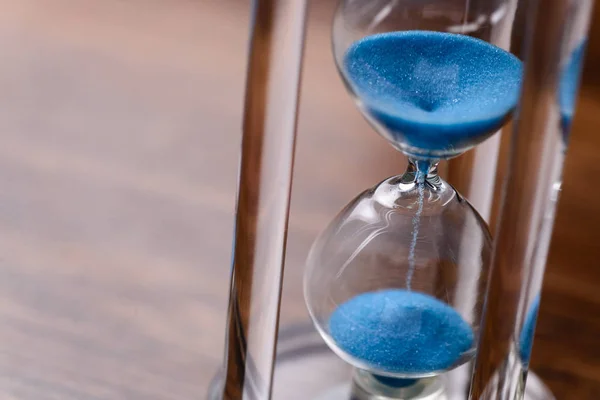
x=395 y=283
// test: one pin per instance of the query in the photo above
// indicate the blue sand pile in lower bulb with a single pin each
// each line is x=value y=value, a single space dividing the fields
x=527 y=333
x=569 y=83
x=401 y=332
x=434 y=91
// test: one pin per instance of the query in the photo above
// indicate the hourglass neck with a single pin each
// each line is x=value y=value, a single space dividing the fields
x=420 y=171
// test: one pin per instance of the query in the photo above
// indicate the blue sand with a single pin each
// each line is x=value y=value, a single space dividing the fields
x=400 y=331
x=569 y=84
x=435 y=91
x=395 y=382
x=526 y=339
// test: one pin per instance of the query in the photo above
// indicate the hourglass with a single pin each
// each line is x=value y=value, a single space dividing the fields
x=567 y=93
x=395 y=283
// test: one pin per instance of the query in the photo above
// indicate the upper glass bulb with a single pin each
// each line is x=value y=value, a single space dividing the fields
x=422 y=73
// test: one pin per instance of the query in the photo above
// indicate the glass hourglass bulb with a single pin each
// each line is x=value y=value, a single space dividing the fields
x=425 y=85
x=568 y=85
x=395 y=283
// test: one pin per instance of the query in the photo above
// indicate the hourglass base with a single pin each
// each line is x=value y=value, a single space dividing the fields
x=308 y=370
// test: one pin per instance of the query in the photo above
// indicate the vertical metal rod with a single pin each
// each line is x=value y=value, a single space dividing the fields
x=534 y=169
x=265 y=175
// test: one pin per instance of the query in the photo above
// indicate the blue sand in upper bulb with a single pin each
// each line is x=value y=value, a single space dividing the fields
x=569 y=83
x=400 y=331
x=526 y=338
x=434 y=91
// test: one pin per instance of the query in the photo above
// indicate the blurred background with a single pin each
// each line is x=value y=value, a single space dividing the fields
x=120 y=124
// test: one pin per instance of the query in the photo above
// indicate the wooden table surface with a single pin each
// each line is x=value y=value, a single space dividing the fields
x=120 y=124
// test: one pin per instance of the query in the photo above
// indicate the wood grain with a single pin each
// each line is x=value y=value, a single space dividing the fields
x=120 y=125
